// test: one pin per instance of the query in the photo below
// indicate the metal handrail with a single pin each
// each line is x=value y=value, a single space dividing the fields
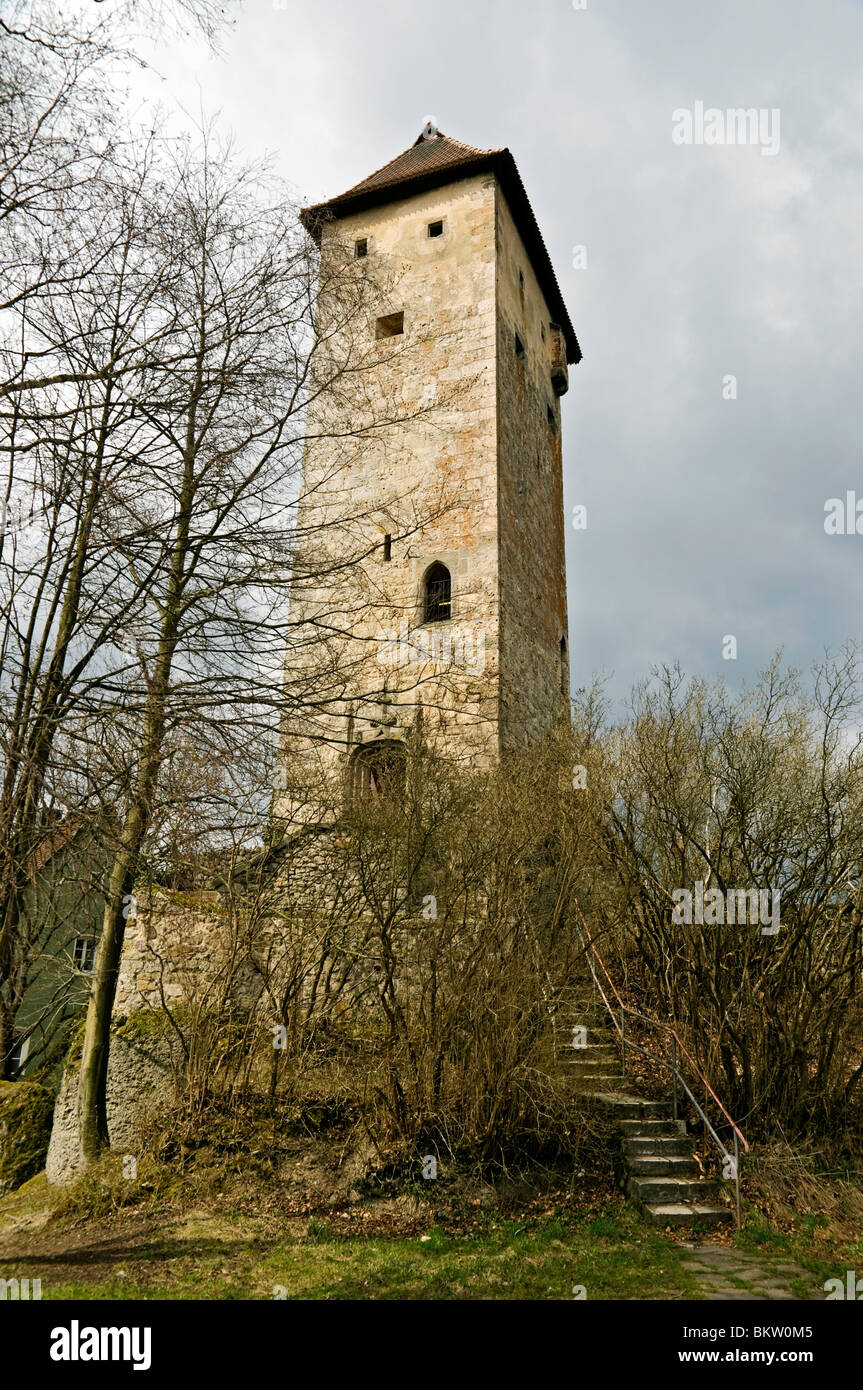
x=590 y=950
x=657 y=1023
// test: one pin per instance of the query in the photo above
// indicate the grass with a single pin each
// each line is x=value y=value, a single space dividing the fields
x=215 y=1233
x=825 y=1247
x=613 y=1257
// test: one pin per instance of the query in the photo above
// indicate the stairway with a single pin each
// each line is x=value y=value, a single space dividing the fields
x=657 y=1167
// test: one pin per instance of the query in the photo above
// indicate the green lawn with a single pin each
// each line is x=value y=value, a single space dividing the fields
x=238 y=1244
x=614 y=1256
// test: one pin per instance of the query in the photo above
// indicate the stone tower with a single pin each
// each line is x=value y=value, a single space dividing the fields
x=452 y=624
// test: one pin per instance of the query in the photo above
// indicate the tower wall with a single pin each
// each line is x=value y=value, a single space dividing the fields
x=472 y=479
x=444 y=460
x=534 y=686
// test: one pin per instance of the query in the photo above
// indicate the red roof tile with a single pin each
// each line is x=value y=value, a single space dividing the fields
x=436 y=160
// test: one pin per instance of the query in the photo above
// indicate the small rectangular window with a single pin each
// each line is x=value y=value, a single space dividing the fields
x=435 y=229
x=389 y=325
x=519 y=346
x=19 y=1054
x=361 y=247
x=84 y=953
x=388 y=547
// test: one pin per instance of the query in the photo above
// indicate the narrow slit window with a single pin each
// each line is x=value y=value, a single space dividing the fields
x=361 y=247
x=438 y=594
x=549 y=415
x=435 y=228
x=519 y=347
x=390 y=325
x=388 y=547
x=84 y=953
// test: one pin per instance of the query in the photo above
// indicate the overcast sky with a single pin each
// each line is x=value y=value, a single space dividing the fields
x=705 y=514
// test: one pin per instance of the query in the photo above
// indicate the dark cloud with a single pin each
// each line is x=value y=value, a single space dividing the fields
x=705 y=515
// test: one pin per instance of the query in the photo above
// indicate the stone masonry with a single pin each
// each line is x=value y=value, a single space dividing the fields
x=469 y=477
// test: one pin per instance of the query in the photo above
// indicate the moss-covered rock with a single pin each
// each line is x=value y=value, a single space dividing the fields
x=26 y=1109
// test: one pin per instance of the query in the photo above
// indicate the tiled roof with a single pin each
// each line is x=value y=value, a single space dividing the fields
x=434 y=160
x=424 y=156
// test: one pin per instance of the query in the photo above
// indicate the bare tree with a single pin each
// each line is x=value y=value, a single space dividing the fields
x=735 y=800
x=205 y=524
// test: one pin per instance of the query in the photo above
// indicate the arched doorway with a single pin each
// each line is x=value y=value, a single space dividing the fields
x=379 y=770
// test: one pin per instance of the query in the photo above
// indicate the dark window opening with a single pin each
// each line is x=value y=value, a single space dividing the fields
x=521 y=280
x=438 y=594
x=542 y=331
x=435 y=228
x=519 y=346
x=361 y=247
x=549 y=415
x=83 y=954
x=379 y=771
x=388 y=547
x=563 y=646
x=390 y=325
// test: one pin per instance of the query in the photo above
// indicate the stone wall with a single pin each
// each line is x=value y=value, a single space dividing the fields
x=174 y=952
x=142 y=1065
x=488 y=450
x=176 y=948
x=430 y=483
x=534 y=666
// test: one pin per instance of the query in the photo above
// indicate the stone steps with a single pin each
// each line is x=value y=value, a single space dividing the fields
x=664 y=1145
x=651 y=1129
x=656 y=1167
x=653 y=1165
x=677 y=1187
x=626 y=1107
x=589 y=1067
x=686 y=1213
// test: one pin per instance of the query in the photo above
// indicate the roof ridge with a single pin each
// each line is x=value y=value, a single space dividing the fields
x=450 y=141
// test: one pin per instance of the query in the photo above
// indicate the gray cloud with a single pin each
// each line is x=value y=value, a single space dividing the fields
x=705 y=515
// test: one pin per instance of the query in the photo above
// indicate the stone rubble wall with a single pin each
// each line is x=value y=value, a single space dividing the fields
x=174 y=952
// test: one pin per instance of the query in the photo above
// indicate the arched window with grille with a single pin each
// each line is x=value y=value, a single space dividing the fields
x=437 y=598
x=379 y=770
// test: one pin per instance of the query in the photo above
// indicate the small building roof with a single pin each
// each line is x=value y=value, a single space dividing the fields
x=431 y=161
